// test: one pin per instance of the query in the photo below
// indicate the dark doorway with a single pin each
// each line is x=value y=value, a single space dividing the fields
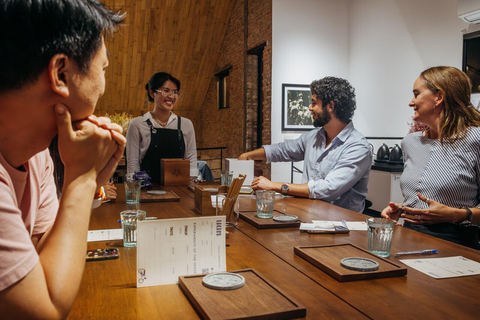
x=254 y=98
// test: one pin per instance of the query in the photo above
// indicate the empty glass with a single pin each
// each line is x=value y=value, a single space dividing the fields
x=226 y=178
x=232 y=214
x=132 y=191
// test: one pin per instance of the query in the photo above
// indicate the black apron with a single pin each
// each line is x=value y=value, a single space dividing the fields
x=164 y=144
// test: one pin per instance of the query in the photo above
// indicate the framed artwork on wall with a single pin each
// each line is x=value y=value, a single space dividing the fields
x=295 y=101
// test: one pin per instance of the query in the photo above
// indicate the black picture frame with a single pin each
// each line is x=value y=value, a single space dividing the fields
x=296 y=99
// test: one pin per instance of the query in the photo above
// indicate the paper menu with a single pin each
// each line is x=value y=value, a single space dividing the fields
x=442 y=268
x=104 y=235
x=352 y=225
x=169 y=248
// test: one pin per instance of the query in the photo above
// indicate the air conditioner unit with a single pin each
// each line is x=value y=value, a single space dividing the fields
x=469 y=10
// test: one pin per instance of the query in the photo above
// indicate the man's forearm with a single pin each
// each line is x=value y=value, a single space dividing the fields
x=297 y=190
x=258 y=154
x=63 y=272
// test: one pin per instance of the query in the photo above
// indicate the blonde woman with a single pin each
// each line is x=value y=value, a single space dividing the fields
x=441 y=178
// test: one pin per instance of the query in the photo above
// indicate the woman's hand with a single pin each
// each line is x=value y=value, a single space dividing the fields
x=393 y=211
x=435 y=213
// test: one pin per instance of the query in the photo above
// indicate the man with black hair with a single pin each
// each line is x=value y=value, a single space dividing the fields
x=53 y=59
x=337 y=158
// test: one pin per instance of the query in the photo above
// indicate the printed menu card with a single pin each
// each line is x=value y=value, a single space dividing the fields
x=169 y=248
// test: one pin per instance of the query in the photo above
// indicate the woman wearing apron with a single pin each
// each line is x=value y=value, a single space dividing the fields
x=160 y=134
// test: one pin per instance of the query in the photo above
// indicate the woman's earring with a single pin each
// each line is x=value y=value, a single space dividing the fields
x=434 y=106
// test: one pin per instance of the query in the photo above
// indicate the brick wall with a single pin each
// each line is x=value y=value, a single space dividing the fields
x=250 y=25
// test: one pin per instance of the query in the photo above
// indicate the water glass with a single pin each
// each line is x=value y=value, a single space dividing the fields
x=132 y=191
x=226 y=178
x=380 y=233
x=232 y=215
x=265 y=201
x=129 y=220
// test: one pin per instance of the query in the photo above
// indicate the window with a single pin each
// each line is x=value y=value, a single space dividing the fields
x=471 y=58
x=222 y=88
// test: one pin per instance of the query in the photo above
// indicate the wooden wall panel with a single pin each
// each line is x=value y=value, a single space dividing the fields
x=181 y=37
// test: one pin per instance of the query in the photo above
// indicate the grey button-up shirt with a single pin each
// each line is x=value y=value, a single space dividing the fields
x=338 y=173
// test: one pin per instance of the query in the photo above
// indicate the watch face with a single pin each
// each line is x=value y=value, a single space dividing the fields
x=284 y=188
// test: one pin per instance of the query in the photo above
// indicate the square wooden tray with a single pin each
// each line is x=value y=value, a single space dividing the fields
x=261 y=223
x=170 y=196
x=257 y=299
x=327 y=258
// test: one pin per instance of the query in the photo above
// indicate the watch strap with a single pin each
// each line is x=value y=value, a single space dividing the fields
x=469 y=215
x=468 y=219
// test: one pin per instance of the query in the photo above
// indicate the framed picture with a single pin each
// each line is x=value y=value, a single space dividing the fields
x=295 y=101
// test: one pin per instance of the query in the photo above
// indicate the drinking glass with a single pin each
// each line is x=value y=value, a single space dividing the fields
x=232 y=215
x=129 y=220
x=132 y=191
x=226 y=178
x=380 y=233
x=265 y=201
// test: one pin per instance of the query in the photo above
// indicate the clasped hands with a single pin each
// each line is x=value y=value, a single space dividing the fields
x=435 y=213
x=92 y=146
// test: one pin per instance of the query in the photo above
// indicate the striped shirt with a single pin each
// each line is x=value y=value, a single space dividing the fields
x=448 y=173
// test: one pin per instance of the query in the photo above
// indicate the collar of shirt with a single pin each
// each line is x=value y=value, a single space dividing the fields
x=173 y=117
x=342 y=136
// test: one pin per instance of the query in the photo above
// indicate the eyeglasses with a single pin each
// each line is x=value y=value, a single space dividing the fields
x=166 y=92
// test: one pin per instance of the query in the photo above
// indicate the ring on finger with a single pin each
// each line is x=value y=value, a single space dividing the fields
x=428 y=201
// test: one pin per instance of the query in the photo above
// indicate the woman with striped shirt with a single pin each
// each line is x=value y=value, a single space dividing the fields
x=441 y=178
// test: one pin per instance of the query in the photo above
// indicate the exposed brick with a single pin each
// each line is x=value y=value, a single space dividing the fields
x=234 y=127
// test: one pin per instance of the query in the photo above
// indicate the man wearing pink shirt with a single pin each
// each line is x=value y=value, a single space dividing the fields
x=52 y=62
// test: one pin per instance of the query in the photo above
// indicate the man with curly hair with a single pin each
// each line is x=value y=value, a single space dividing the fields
x=337 y=158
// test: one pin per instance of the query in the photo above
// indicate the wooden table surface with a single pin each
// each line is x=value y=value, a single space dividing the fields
x=108 y=288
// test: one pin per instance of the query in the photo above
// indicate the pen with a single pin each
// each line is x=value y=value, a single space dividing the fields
x=429 y=251
x=147 y=218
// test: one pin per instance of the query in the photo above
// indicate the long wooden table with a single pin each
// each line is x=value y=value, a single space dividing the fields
x=108 y=287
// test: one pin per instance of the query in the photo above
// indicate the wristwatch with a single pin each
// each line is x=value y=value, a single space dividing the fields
x=285 y=188
x=469 y=215
x=468 y=220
